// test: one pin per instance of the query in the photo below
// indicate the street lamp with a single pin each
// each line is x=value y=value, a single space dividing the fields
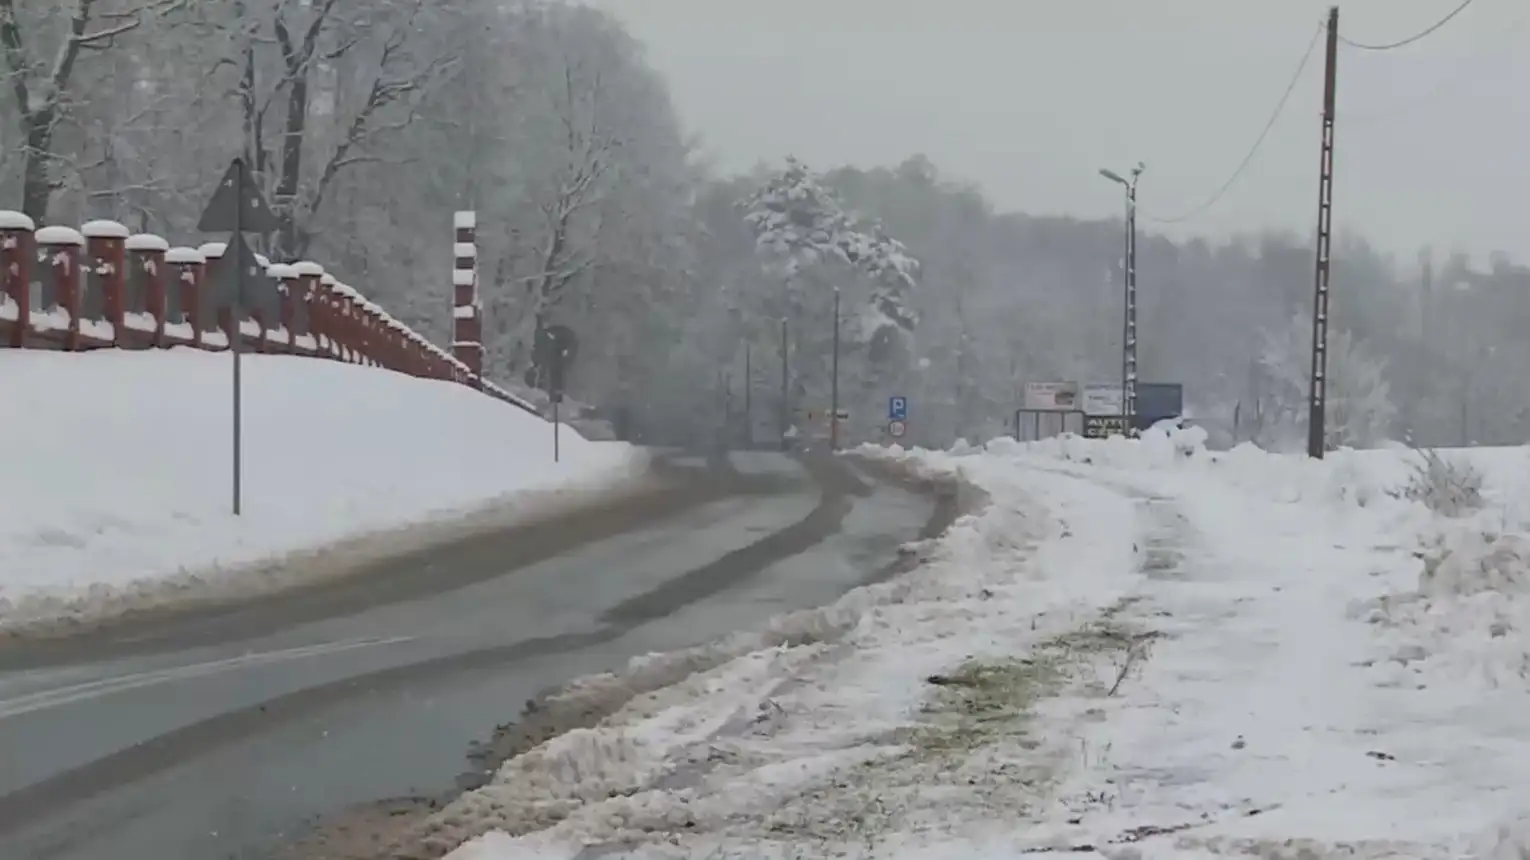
x=1129 y=325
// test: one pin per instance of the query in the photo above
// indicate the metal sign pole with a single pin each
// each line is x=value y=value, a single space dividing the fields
x=227 y=212
x=236 y=336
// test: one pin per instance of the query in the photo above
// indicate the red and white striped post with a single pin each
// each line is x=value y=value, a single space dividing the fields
x=467 y=311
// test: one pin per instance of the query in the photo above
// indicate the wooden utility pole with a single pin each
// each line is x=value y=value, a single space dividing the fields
x=1317 y=402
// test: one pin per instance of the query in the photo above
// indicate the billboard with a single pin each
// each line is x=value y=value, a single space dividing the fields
x=1051 y=397
x=1159 y=400
x=1102 y=398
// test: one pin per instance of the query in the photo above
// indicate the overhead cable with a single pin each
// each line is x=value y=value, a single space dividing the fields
x=1413 y=38
x=1248 y=159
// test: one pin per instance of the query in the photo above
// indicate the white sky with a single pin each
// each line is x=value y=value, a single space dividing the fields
x=1029 y=98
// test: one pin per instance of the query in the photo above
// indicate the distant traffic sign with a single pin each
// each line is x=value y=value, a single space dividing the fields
x=897 y=408
x=896 y=429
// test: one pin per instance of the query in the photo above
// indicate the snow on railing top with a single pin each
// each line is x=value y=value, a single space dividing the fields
x=147 y=242
x=16 y=221
x=104 y=230
x=56 y=235
x=184 y=256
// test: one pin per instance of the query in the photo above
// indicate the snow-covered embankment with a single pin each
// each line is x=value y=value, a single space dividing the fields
x=115 y=474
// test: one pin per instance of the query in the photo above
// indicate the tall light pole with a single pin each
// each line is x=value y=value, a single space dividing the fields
x=1129 y=278
x=834 y=382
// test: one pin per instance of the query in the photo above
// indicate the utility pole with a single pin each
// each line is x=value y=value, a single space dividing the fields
x=834 y=382
x=1317 y=402
x=748 y=396
x=1129 y=299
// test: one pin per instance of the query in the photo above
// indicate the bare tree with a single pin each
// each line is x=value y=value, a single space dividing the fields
x=42 y=88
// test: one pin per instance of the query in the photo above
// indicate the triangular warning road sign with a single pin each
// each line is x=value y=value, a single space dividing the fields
x=237 y=276
x=237 y=205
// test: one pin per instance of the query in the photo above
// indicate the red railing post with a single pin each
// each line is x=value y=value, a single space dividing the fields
x=353 y=326
x=467 y=326
x=105 y=271
x=255 y=309
x=58 y=250
x=289 y=292
x=216 y=305
x=315 y=303
x=15 y=283
x=374 y=340
x=341 y=320
x=186 y=313
x=144 y=300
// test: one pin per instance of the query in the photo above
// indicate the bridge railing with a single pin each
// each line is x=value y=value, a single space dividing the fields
x=101 y=287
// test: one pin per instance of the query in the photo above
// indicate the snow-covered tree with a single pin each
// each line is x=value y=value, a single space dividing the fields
x=1360 y=411
x=807 y=240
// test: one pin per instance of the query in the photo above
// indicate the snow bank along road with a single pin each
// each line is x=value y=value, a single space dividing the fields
x=1136 y=651
x=224 y=736
x=116 y=491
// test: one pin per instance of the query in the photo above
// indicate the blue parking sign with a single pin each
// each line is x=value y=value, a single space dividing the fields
x=897 y=408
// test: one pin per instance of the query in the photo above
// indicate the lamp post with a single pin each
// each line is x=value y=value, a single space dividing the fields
x=1129 y=324
x=834 y=382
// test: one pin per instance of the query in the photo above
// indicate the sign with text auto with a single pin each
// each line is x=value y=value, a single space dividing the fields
x=1104 y=426
x=1051 y=397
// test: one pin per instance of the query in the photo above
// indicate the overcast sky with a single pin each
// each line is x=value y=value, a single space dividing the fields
x=1030 y=98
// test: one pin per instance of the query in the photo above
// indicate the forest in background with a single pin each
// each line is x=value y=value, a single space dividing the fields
x=369 y=122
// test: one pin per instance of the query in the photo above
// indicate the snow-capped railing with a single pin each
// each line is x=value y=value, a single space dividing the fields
x=100 y=287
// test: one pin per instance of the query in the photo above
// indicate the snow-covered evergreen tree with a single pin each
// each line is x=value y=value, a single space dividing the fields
x=814 y=246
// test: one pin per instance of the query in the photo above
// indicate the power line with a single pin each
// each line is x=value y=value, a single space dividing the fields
x=1248 y=159
x=1462 y=76
x=1416 y=36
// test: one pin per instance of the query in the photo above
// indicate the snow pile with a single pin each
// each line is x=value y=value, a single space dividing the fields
x=1466 y=618
x=117 y=489
x=796 y=734
x=1140 y=649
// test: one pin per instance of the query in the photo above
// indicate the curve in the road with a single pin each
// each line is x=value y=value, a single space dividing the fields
x=125 y=767
x=421 y=572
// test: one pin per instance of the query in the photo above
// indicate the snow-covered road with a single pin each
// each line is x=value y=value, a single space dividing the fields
x=1137 y=650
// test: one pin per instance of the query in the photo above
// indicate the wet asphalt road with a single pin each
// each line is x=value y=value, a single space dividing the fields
x=226 y=750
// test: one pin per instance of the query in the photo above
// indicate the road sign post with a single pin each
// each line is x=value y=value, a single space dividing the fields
x=237 y=207
x=554 y=349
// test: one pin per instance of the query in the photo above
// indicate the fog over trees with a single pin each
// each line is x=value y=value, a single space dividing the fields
x=369 y=121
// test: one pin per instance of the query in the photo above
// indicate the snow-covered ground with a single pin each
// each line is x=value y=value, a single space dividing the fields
x=1137 y=650
x=115 y=471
